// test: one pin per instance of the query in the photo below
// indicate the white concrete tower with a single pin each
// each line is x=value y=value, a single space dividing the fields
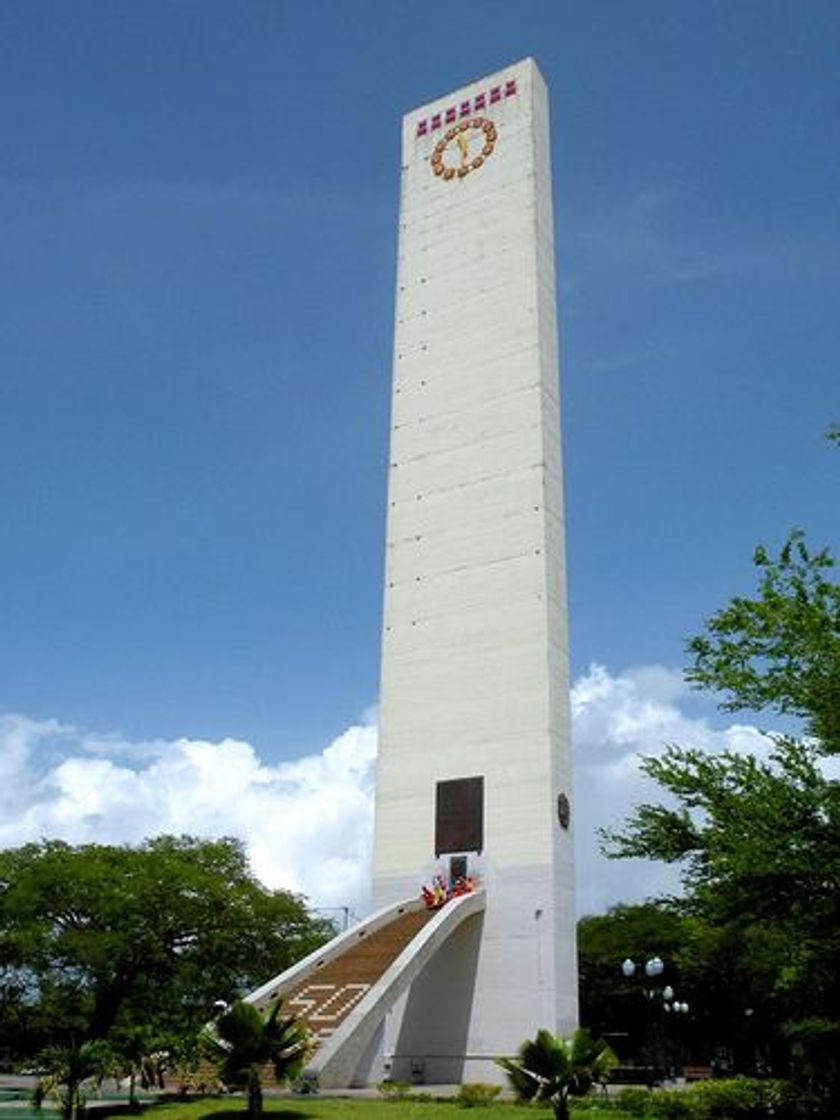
x=474 y=755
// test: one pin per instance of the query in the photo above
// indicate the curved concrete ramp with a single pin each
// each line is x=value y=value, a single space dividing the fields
x=344 y=1058
x=343 y=991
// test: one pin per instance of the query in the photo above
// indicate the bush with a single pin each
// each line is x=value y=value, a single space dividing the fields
x=305 y=1083
x=741 y=1098
x=675 y=1104
x=635 y=1102
x=475 y=1094
x=600 y=1104
x=394 y=1090
x=737 y=1098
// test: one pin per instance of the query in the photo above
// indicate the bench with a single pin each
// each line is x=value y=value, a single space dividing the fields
x=697 y=1073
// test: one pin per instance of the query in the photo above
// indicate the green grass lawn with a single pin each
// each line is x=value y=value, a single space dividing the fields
x=331 y=1108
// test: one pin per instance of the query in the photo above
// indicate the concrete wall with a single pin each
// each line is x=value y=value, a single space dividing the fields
x=474 y=646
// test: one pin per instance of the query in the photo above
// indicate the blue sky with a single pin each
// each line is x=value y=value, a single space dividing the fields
x=197 y=248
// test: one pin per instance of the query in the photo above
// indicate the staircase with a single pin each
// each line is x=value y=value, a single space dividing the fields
x=324 y=999
x=343 y=991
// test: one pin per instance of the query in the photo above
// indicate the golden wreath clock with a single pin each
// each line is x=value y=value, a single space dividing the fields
x=464 y=148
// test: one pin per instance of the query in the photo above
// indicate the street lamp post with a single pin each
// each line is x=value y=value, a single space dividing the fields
x=653 y=967
x=655 y=998
x=675 y=1010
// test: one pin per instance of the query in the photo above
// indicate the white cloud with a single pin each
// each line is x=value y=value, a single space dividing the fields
x=307 y=824
x=616 y=719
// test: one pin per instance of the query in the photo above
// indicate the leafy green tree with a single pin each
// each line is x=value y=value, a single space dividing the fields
x=550 y=1069
x=759 y=843
x=98 y=938
x=704 y=964
x=612 y=1006
x=242 y=1043
x=780 y=649
x=758 y=837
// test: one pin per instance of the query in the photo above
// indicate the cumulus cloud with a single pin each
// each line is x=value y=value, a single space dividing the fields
x=307 y=824
x=616 y=719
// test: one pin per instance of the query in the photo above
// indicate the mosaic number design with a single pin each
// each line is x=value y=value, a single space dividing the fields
x=324 y=1006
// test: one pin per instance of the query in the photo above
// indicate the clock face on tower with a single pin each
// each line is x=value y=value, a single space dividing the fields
x=464 y=148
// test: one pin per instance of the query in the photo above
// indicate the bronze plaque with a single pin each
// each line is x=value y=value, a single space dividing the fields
x=459 y=816
x=564 y=810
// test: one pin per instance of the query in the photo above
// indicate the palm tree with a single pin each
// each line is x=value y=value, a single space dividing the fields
x=66 y=1069
x=242 y=1043
x=553 y=1069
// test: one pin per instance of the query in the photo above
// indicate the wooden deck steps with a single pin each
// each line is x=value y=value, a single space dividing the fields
x=326 y=997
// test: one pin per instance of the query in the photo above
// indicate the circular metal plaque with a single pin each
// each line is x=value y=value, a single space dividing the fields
x=564 y=810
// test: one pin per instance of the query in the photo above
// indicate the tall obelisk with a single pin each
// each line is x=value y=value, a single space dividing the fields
x=474 y=770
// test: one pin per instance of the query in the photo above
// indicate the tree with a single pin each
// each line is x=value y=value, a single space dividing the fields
x=65 y=1071
x=759 y=842
x=97 y=938
x=779 y=650
x=612 y=1006
x=142 y=1054
x=242 y=1043
x=552 y=1069
x=758 y=837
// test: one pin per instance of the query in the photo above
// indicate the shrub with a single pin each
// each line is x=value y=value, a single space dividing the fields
x=674 y=1104
x=741 y=1098
x=394 y=1090
x=635 y=1102
x=737 y=1098
x=550 y=1069
x=305 y=1083
x=599 y=1104
x=475 y=1094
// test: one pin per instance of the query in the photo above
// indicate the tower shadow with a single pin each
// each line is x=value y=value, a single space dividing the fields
x=432 y=1041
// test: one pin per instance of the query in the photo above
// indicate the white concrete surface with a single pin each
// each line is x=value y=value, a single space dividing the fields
x=474 y=647
x=348 y=1058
